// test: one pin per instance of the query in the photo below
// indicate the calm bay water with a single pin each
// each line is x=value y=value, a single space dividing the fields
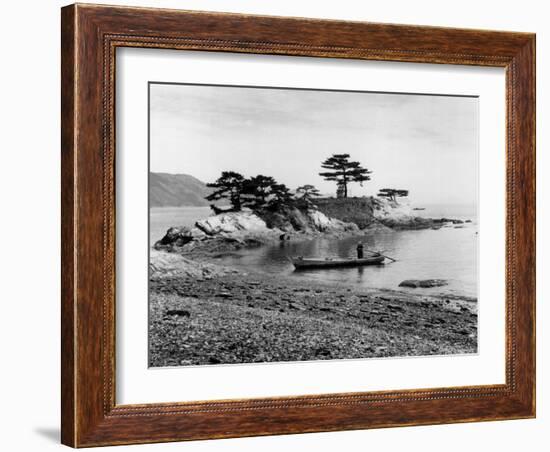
x=447 y=253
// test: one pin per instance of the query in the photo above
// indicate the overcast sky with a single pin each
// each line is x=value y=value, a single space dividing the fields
x=426 y=144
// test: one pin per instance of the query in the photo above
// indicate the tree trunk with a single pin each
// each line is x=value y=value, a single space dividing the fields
x=345 y=180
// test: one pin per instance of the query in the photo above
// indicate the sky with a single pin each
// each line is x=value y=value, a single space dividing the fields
x=422 y=143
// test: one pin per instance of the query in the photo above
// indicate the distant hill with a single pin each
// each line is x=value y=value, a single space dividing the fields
x=175 y=190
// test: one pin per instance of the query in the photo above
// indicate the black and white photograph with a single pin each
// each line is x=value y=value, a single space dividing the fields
x=292 y=224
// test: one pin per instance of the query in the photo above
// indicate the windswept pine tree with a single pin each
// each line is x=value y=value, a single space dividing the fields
x=230 y=186
x=392 y=193
x=343 y=171
x=307 y=193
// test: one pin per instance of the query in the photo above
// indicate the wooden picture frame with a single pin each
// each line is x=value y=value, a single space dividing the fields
x=90 y=36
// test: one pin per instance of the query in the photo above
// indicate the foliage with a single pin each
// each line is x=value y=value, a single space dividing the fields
x=307 y=193
x=280 y=197
x=343 y=171
x=258 y=192
x=392 y=193
x=229 y=185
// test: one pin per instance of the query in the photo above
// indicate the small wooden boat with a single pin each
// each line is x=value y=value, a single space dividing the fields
x=303 y=263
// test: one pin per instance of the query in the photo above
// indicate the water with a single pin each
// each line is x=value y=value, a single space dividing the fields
x=447 y=253
x=459 y=211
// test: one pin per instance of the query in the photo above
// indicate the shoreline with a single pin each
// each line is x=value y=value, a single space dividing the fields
x=225 y=243
x=203 y=313
x=245 y=229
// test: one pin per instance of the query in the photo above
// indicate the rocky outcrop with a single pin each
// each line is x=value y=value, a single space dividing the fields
x=369 y=212
x=320 y=222
x=171 y=265
x=246 y=229
x=180 y=236
x=305 y=220
x=232 y=223
x=385 y=209
x=227 y=231
x=359 y=211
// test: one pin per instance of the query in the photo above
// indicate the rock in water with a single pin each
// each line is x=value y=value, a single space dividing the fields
x=414 y=283
x=177 y=236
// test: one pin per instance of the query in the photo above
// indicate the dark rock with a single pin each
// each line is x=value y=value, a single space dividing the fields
x=179 y=313
x=322 y=352
x=414 y=283
x=395 y=307
x=175 y=236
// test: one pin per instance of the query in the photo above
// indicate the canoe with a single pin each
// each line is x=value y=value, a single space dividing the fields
x=300 y=262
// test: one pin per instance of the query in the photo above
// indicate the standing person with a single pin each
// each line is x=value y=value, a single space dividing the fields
x=360 y=250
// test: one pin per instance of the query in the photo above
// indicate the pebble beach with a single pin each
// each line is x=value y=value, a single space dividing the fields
x=203 y=314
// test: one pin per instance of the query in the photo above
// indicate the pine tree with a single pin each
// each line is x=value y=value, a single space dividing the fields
x=342 y=171
x=307 y=193
x=257 y=191
x=392 y=193
x=229 y=185
x=280 y=197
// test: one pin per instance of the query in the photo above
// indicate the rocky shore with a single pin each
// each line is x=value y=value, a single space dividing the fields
x=245 y=229
x=201 y=313
x=331 y=218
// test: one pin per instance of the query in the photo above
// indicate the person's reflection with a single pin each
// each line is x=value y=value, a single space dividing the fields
x=360 y=274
